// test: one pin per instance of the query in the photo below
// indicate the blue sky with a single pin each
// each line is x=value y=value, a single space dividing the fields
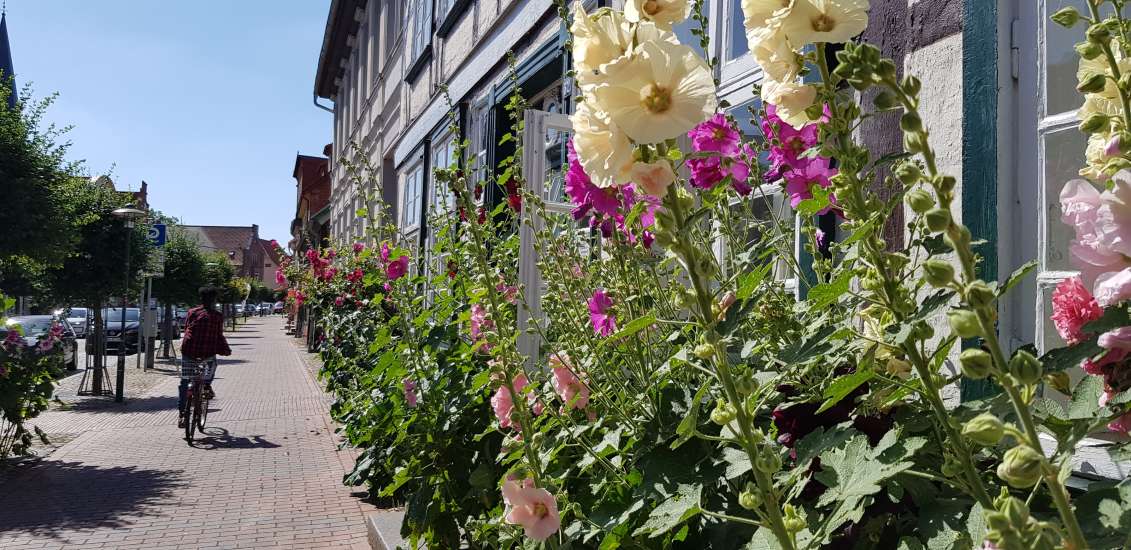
x=208 y=101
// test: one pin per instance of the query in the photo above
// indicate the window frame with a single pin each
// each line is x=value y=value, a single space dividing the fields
x=414 y=167
x=420 y=39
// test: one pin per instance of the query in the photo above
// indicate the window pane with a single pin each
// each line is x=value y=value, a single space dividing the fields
x=1063 y=160
x=736 y=31
x=554 y=183
x=1062 y=61
x=683 y=31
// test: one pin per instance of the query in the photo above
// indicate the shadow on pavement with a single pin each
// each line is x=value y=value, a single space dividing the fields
x=132 y=405
x=220 y=438
x=52 y=497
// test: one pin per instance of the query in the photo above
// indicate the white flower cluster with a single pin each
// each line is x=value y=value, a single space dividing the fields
x=777 y=29
x=640 y=86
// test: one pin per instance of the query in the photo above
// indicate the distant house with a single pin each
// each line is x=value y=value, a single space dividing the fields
x=240 y=243
x=311 y=225
x=271 y=262
x=139 y=198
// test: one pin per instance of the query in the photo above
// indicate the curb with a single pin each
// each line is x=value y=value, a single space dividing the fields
x=383 y=528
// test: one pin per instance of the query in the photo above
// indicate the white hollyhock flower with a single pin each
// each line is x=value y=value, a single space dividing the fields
x=771 y=50
x=664 y=13
x=813 y=21
x=602 y=149
x=659 y=91
x=653 y=177
x=791 y=98
x=605 y=36
x=758 y=13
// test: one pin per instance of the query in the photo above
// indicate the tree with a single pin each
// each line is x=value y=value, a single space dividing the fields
x=185 y=272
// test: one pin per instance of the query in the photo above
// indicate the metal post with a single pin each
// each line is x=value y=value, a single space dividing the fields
x=119 y=390
x=141 y=311
x=150 y=339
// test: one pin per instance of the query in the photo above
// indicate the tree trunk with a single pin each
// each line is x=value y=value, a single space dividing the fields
x=99 y=337
x=167 y=331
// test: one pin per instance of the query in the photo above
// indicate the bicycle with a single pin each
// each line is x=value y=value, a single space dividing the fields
x=195 y=412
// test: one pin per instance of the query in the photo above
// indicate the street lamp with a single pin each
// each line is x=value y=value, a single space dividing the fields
x=128 y=214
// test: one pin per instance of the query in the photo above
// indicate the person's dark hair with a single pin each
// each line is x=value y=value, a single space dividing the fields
x=208 y=295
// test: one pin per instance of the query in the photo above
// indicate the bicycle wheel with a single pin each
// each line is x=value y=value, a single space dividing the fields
x=203 y=418
x=190 y=397
x=196 y=407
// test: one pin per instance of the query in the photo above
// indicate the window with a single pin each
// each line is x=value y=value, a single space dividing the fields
x=394 y=26
x=420 y=44
x=479 y=143
x=412 y=191
x=373 y=43
x=443 y=156
x=736 y=45
x=684 y=28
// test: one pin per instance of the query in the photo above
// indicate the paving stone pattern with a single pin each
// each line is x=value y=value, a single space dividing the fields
x=266 y=474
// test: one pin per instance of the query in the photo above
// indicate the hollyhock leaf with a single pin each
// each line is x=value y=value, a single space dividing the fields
x=634 y=326
x=1085 y=398
x=1018 y=275
x=738 y=462
x=813 y=206
x=976 y=522
x=677 y=509
x=941 y=524
x=748 y=282
x=686 y=428
x=857 y=470
x=841 y=387
x=825 y=294
x=805 y=349
x=1070 y=357
x=1114 y=317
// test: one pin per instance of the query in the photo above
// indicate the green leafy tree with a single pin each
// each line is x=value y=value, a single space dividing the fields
x=185 y=272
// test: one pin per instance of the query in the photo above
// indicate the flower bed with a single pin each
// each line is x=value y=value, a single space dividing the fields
x=671 y=390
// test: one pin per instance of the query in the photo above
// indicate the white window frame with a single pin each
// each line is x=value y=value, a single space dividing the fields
x=409 y=197
x=420 y=35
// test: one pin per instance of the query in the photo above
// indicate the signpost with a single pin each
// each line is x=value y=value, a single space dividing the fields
x=156 y=234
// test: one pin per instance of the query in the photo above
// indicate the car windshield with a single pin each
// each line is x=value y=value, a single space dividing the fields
x=114 y=315
x=32 y=326
x=77 y=313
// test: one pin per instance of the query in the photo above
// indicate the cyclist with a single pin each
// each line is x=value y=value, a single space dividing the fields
x=203 y=340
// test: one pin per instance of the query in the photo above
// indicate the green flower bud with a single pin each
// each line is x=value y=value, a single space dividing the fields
x=919 y=200
x=1094 y=123
x=946 y=183
x=793 y=521
x=938 y=272
x=1015 y=510
x=984 y=429
x=884 y=101
x=979 y=294
x=1092 y=83
x=922 y=330
x=723 y=413
x=910 y=122
x=705 y=351
x=1025 y=368
x=1099 y=34
x=1021 y=467
x=768 y=460
x=975 y=363
x=749 y=499
x=938 y=219
x=1066 y=17
x=959 y=238
x=1088 y=50
x=746 y=384
x=911 y=85
x=964 y=323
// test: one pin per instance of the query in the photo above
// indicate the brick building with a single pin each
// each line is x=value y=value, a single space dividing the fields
x=240 y=243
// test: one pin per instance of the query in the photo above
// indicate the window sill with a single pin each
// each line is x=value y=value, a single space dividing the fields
x=417 y=66
x=454 y=14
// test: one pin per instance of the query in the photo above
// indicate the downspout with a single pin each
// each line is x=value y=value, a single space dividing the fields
x=321 y=106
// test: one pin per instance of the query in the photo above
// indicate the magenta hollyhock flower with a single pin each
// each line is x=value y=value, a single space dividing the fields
x=356 y=275
x=385 y=252
x=397 y=268
x=410 y=392
x=604 y=323
x=358 y=247
x=339 y=301
x=280 y=278
x=1072 y=308
x=331 y=253
x=533 y=508
x=715 y=134
x=46 y=344
x=584 y=194
x=1121 y=424
x=573 y=392
x=274 y=243
x=799 y=182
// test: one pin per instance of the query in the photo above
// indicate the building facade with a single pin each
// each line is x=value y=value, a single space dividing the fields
x=311 y=224
x=240 y=243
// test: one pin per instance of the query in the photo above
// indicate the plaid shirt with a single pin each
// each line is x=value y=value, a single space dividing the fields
x=204 y=334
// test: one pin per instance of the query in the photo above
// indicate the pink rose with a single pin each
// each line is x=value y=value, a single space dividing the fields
x=1072 y=308
x=573 y=392
x=533 y=508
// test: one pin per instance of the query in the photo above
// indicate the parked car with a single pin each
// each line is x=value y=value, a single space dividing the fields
x=34 y=326
x=77 y=317
x=279 y=307
x=238 y=308
x=112 y=317
x=265 y=309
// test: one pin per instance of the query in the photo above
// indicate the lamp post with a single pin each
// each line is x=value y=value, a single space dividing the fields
x=128 y=214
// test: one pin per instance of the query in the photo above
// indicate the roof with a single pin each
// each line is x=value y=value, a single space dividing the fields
x=223 y=238
x=7 y=70
x=301 y=159
x=340 y=24
x=270 y=252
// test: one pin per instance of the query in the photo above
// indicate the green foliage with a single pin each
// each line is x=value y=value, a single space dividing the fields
x=27 y=381
x=185 y=269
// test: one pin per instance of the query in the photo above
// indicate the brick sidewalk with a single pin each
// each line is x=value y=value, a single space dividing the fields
x=267 y=472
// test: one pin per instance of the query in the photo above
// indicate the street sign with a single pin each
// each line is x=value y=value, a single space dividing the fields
x=157 y=234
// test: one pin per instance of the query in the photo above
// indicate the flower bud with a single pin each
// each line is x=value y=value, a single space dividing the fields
x=1094 y=123
x=1091 y=83
x=1066 y=17
x=1088 y=50
x=984 y=429
x=768 y=460
x=938 y=219
x=979 y=294
x=919 y=200
x=1025 y=368
x=910 y=122
x=1014 y=510
x=723 y=413
x=1021 y=467
x=964 y=323
x=957 y=239
x=945 y=183
x=938 y=272
x=705 y=351
x=975 y=363
x=884 y=101
x=749 y=498
x=792 y=520
x=1098 y=34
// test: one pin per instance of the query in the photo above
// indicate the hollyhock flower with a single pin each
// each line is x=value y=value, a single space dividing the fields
x=385 y=252
x=482 y=215
x=707 y=172
x=799 y=182
x=820 y=236
x=409 y=392
x=602 y=148
x=503 y=402
x=280 y=278
x=788 y=143
x=299 y=297
x=331 y=253
x=573 y=392
x=604 y=323
x=479 y=321
x=533 y=508
x=1072 y=308
x=1121 y=424
x=397 y=268
x=1113 y=147
x=46 y=345
x=583 y=193
x=664 y=13
x=773 y=53
x=830 y=21
x=358 y=247
x=791 y=99
x=715 y=134
x=274 y=243
x=653 y=177
x=1113 y=287
x=1102 y=223
x=339 y=301
x=509 y=293
x=660 y=91
x=758 y=13
x=356 y=275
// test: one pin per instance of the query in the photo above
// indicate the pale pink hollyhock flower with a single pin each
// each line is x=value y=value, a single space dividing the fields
x=480 y=323
x=1102 y=223
x=576 y=271
x=1121 y=424
x=535 y=509
x=1072 y=308
x=987 y=545
x=1113 y=287
x=410 y=392
x=503 y=402
x=509 y=293
x=573 y=391
x=1105 y=397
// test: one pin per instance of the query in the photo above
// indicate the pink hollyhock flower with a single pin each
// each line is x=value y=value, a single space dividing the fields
x=503 y=402
x=1113 y=287
x=46 y=345
x=331 y=253
x=509 y=293
x=1121 y=424
x=397 y=268
x=339 y=301
x=799 y=182
x=329 y=273
x=820 y=236
x=584 y=194
x=480 y=322
x=358 y=247
x=575 y=270
x=1072 y=308
x=356 y=275
x=1102 y=223
x=385 y=252
x=533 y=508
x=299 y=297
x=707 y=172
x=787 y=143
x=715 y=134
x=573 y=392
x=1117 y=342
x=1113 y=147
x=604 y=324
x=274 y=243
x=410 y=392
x=280 y=278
